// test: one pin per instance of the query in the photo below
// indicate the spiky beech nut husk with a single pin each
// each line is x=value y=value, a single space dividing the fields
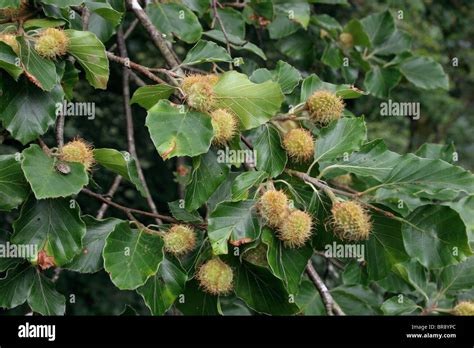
x=52 y=43
x=215 y=277
x=199 y=91
x=346 y=40
x=7 y=14
x=225 y=126
x=344 y=180
x=299 y=144
x=464 y=308
x=324 y=107
x=80 y=151
x=350 y=221
x=179 y=240
x=10 y=40
x=295 y=229
x=273 y=207
x=257 y=256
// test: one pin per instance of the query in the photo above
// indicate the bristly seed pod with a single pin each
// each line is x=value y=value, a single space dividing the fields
x=346 y=40
x=215 y=277
x=199 y=91
x=52 y=43
x=180 y=240
x=78 y=151
x=325 y=107
x=224 y=125
x=273 y=207
x=350 y=221
x=296 y=229
x=299 y=144
x=464 y=308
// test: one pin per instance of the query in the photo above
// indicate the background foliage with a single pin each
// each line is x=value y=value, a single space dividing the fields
x=404 y=52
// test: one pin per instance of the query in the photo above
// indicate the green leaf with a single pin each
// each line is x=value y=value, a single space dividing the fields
x=244 y=182
x=356 y=300
x=288 y=264
x=43 y=297
x=45 y=180
x=437 y=151
x=309 y=299
x=380 y=81
x=398 y=43
x=379 y=27
x=397 y=305
x=271 y=157
x=426 y=177
x=234 y=222
x=207 y=175
x=63 y=3
x=254 y=104
x=458 y=277
x=70 y=79
x=8 y=61
x=122 y=163
x=332 y=56
x=147 y=96
x=175 y=19
x=284 y=74
x=359 y=36
x=41 y=23
x=106 y=11
x=233 y=21
x=13 y=187
x=373 y=159
x=197 y=302
x=179 y=132
x=343 y=136
x=182 y=214
x=261 y=291
x=89 y=260
x=206 y=51
x=40 y=71
x=131 y=256
x=236 y=43
x=424 y=73
x=313 y=83
x=414 y=275
x=15 y=286
x=54 y=225
x=162 y=290
x=436 y=236
x=25 y=110
x=465 y=209
x=90 y=53
x=384 y=247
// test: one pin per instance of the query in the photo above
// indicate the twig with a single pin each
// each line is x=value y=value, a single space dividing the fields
x=86 y=14
x=60 y=130
x=127 y=210
x=332 y=308
x=130 y=131
x=110 y=193
x=155 y=35
x=219 y=20
x=137 y=67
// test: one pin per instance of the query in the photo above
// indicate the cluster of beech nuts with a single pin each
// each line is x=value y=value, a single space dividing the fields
x=200 y=96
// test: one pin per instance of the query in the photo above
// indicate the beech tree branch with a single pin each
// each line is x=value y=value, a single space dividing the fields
x=129 y=119
x=332 y=308
x=127 y=210
x=155 y=35
x=137 y=67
